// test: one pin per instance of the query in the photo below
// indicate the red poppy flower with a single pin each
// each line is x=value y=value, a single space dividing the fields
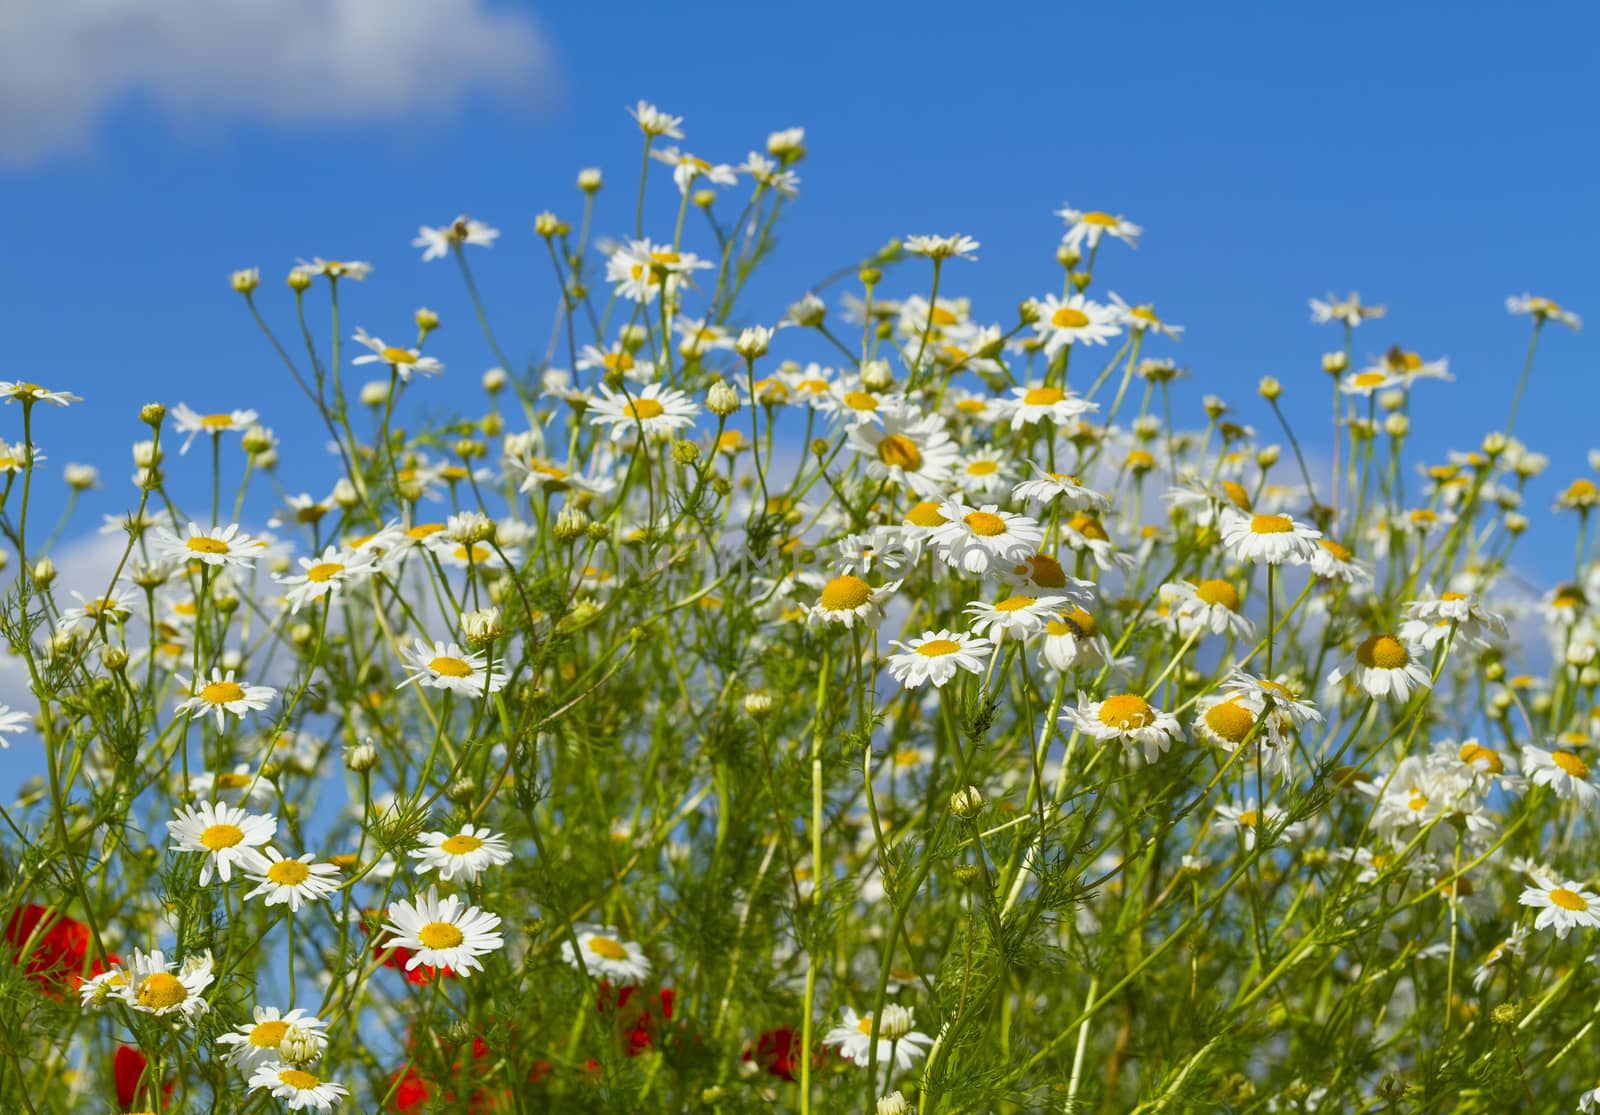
x=128 y=1066
x=55 y=947
x=778 y=1052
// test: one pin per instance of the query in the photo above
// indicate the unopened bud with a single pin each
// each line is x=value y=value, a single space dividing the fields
x=1269 y=388
x=494 y=380
x=151 y=414
x=362 y=757
x=757 y=703
x=299 y=280
x=721 y=399
x=685 y=452
x=546 y=224
x=966 y=803
x=894 y=1104
x=753 y=342
x=1397 y=425
x=44 y=571
x=246 y=281
x=590 y=179
x=1334 y=363
x=876 y=375
x=427 y=320
x=571 y=523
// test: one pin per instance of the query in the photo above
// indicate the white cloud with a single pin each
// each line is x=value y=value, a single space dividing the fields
x=65 y=63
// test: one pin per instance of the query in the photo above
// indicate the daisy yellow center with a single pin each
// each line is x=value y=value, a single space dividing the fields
x=843 y=594
x=1140 y=460
x=1475 y=753
x=460 y=844
x=398 y=355
x=1368 y=379
x=617 y=361
x=1339 y=552
x=1082 y=624
x=899 y=451
x=865 y=1025
x=1567 y=899
x=218 y=837
x=983 y=468
x=288 y=873
x=232 y=781
x=1104 y=220
x=424 y=530
x=1046 y=571
x=1044 y=396
x=1248 y=818
x=200 y=544
x=1218 y=592
x=324 y=571
x=160 y=990
x=1417 y=802
x=217 y=421
x=907 y=757
x=1236 y=494
x=1452 y=596
x=925 y=514
x=268 y=1034
x=1230 y=720
x=667 y=259
x=298 y=1079
x=1089 y=527
x=644 y=408
x=941 y=316
x=446 y=666
x=938 y=648
x=1145 y=314
x=608 y=948
x=439 y=935
x=814 y=386
x=984 y=524
x=1570 y=763
x=221 y=693
x=972 y=406
x=1126 y=711
x=860 y=400
x=1271 y=524
x=1383 y=652
x=1016 y=604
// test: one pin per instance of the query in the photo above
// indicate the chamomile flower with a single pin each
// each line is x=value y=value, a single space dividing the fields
x=1059 y=489
x=847 y=600
x=1072 y=639
x=462 y=855
x=1347 y=310
x=1269 y=539
x=1129 y=718
x=188 y=421
x=404 y=362
x=325 y=576
x=980 y=539
x=1084 y=532
x=1369 y=381
x=1142 y=319
x=1563 y=905
x=1332 y=560
x=442 y=932
x=152 y=987
x=1543 y=309
x=1087 y=226
x=656 y=411
x=223 y=696
x=224 y=835
x=293 y=882
x=1428 y=622
x=606 y=955
x=653 y=122
x=1073 y=320
x=239 y=786
x=113 y=610
x=218 y=546
x=1247 y=820
x=1384 y=667
x=937 y=657
x=907 y=448
x=437 y=242
x=335 y=269
x=897 y=1041
x=688 y=169
x=878 y=547
x=1562 y=771
x=1041 y=403
x=983 y=474
x=301 y=1090
x=1211 y=605
x=642 y=269
x=444 y=665
x=942 y=247
x=250 y=1045
x=16 y=391
x=1016 y=617
x=1226 y=720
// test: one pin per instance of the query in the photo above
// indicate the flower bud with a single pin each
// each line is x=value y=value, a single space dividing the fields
x=246 y=281
x=1334 y=363
x=870 y=276
x=426 y=320
x=299 y=1046
x=1269 y=388
x=44 y=572
x=753 y=342
x=113 y=658
x=1397 y=425
x=1068 y=256
x=1391 y=400
x=299 y=280
x=482 y=627
x=685 y=452
x=966 y=803
x=590 y=179
x=151 y=414
x=721 y=399
x=546 y=224
x=894 y=1104
x=571 y=524
x=895 y=1022
x=876 y=375
x=757 y=703
x=81 y=477
x=702 y=199
x=257 y=440
x=809 y=311
x=374 y=394
x=362 y=757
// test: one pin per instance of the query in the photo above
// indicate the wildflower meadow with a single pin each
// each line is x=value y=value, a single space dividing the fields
x=889 y=704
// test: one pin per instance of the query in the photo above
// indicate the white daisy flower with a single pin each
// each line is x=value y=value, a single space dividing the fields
x=17 y=391
x=1273 y=539
x=1247 y=820
x=1042 y=574
x=1016 y=617
x=653 y=122
x=113 y=610
x=606 y=955
x=152 y=987
x=979 y=539
x=463 y=855
x=442 y=932
x=239 y=786
x=1210 y=605
x=335 y=269
x=1330 y=559
x=1543 y=309
x=615 y=359
x=326 y=575
x=1347 y=310
x=897 y=1041
x=1037 y=402
x=219 y=546
x=1086 y=227
x=223 y=695
x=1127 y=717
x=293 y=882
x=405 y=362
x=224 y=835
x=908 y=448
x=436 y=242
x=1369 y=381
x=13 y=722
x=983 y=474
x=641 y=270
x=878 y=548
x=1085 y=532
x=1072 y=638
x=250 y=1045
x=1562 y=771
x=942 y=247
x=442 y=665
x=688 y=169
x=186 y=420
x=1059 y=488
x=847 y=599
x=1068 y=321
x=937 y=656
x=1384 y=667
x=301 y=1090
x=1142 y=318
x=656 y=411
x=1562 y=904
x=1472 y=621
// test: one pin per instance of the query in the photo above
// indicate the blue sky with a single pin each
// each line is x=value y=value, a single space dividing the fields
x=1437 y=157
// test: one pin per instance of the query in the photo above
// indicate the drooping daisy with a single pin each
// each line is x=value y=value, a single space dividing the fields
x=1072 y=638
x=20 y=392
x=1087 y=533
x=405 y=362
x=1384 y=667
x=1428 y=622
x=463 y=855
x=1059 y=488
x=1127 y=717
x=186 y=420
x=219 y=546
x=937 y=656
x=436 y=242
x=1562 y=771
x=442 y=932
x=300 y=1089
x=442 y=665
x=1273 y=539
x=979 y=539
x=1087 y=226
x=1211 y=605
x=326 y=575
x=250 y=1045
x=152 y=986
x=1543 y=309
x=224 y=835
x=1073 y=320
x=293 y=882
x=606 y=955
x=1041 y=403
x=907 y=448
x=1290 y=710
x=223 y=695
x=1562 y=904
x=1330 y=559
x=1016 y=617
x=656 y=411
x=897 y=1040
